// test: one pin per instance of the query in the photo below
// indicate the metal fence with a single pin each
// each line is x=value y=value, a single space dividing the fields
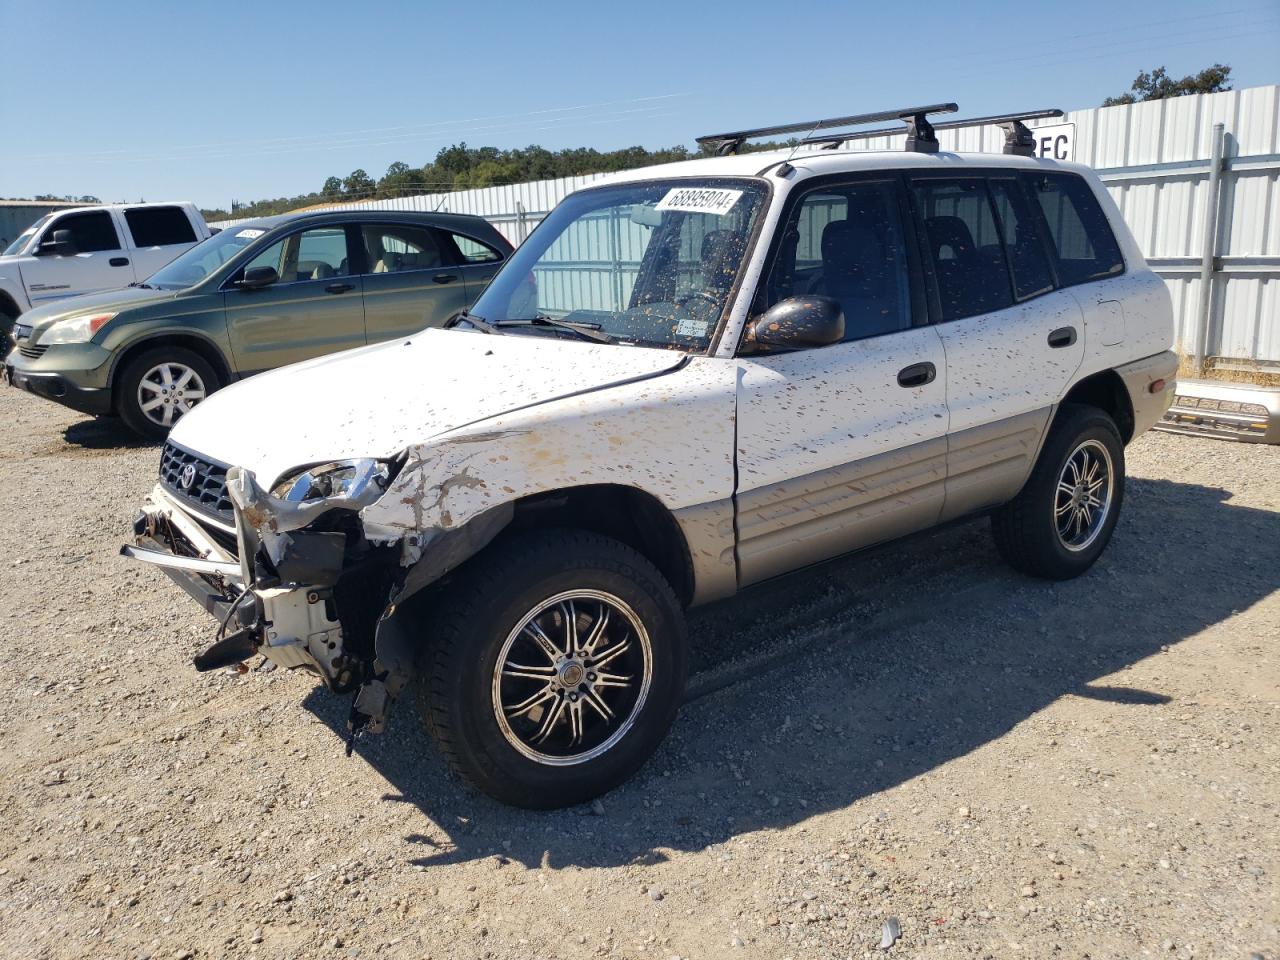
x=1173 y=167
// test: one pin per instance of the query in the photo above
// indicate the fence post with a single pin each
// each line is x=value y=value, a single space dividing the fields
x=1204 y=316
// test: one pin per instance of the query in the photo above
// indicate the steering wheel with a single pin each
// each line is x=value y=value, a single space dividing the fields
x=698 y=295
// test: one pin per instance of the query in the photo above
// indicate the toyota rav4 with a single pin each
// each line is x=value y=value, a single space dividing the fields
x=689 y=379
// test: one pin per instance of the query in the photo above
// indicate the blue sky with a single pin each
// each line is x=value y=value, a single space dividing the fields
x=203 y=101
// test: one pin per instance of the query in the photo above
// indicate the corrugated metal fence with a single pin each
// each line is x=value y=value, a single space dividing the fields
x=1155 y=158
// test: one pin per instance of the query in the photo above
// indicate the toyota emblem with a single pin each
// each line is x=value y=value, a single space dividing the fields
x=188 y=476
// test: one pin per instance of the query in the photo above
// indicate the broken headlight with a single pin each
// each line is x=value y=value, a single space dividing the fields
x=350 y=479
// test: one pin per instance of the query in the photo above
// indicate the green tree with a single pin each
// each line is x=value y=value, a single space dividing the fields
x=332 y=189
x=358 y=185
x=1158 y=85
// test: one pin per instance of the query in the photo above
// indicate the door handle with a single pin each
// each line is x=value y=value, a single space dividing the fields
x=339 y=287
x=917 y=375
x=445 y=277
x=1062 y=337
x=119 y=261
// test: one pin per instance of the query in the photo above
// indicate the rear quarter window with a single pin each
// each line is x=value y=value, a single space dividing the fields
x=159 y=226
x=1084 y=247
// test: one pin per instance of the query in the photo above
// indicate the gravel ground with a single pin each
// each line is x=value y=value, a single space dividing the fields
x=1004 y=766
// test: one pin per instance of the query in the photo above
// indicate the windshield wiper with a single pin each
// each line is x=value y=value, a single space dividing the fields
x=585 y=331
x=484 y=326
x=142 y=286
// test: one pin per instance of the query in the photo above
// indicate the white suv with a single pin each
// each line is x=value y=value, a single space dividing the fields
x=689 y=379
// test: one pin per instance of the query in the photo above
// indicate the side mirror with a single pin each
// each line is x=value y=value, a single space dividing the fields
x=796 y=323
x=60 y=244
x=255 y=278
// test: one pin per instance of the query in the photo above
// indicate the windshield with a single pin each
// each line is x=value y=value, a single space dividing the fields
x=650 y=263
x=21 y=240
x=205 y=257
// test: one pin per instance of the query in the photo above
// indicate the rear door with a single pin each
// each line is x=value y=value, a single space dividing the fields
x=97 y=259
x=410 y=281
x=1013 y=341
x=314 y=308
x=159 y=234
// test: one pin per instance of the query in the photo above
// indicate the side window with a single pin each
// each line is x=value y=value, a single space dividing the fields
x=159 y=226
x=964 y=246
x=473 y=251
x=846 y=242
x=395 y=248
x=1086 y=248
x=320 y=254
x=311 y=255
x=1027 y=258
x=272 y=256
x=89 y=231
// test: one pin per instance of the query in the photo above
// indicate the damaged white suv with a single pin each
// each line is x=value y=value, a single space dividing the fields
x=689 y=379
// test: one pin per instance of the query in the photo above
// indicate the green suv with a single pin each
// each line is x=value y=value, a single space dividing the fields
x=255 y=296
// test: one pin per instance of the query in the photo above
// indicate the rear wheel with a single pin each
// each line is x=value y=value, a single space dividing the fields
x=557 y=669
x=159 y=386
x=1063 y=519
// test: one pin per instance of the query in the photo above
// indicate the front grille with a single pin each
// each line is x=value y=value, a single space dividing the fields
x=207 y=490
x=31 y=352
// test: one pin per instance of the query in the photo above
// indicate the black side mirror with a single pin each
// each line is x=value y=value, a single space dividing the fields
x=60 y=243
x=255 y=278
x=796 y=323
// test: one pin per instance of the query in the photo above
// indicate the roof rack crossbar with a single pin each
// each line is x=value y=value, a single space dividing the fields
x=1019 y=138
x=915 y=117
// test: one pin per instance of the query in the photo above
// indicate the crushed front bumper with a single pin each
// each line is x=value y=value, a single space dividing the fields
x=302 y=604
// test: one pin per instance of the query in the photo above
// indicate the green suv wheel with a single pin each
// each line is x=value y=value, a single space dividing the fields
x=159 y=386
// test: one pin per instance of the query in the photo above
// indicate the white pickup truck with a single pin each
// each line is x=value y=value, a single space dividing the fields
x=90 y=249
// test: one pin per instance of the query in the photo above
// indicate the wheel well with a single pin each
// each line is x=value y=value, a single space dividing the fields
x=1107 y=392
x=211 y=354
x=632 y=516
x=9 y=306
x=9 y=313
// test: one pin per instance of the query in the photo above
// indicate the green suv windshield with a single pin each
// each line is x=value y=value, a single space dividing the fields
x=204 y=258
x=650 y=263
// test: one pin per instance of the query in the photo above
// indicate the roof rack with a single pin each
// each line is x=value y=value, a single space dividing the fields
x=1018 y=138
x=919 y=131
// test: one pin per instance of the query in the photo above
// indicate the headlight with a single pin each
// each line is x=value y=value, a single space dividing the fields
x=350 y=479
x=75 y=329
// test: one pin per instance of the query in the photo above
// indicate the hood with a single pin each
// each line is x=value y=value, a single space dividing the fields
x=112 y=300
x=376 y=401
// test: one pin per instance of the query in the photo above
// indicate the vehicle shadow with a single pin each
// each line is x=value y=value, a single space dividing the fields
x=861 y=674
x=104 y=433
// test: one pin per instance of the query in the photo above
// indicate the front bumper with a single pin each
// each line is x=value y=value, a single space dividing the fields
x=60 y=389
x=75 y=375
x=293 y=626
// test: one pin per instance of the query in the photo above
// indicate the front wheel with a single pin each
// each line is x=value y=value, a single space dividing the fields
x=1062 y=520
x=557 y=667
x=159 y=386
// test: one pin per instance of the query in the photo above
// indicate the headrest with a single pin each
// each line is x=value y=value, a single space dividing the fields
x=950 y=232
x=848 y=246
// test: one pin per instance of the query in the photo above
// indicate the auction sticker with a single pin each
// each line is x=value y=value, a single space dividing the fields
x=699 y=200
x=249 y=234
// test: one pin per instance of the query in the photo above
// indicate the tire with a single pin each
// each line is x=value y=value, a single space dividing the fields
x=1028 y=530
x=130 y=390
x=466 y=703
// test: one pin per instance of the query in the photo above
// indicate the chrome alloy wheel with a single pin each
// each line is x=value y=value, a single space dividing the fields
x=1082 y=502
x=572 y=677
x=167 y=391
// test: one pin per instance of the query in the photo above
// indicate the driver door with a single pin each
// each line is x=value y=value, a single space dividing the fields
x=96 y=262
x=315 y=308
x=842 y=446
